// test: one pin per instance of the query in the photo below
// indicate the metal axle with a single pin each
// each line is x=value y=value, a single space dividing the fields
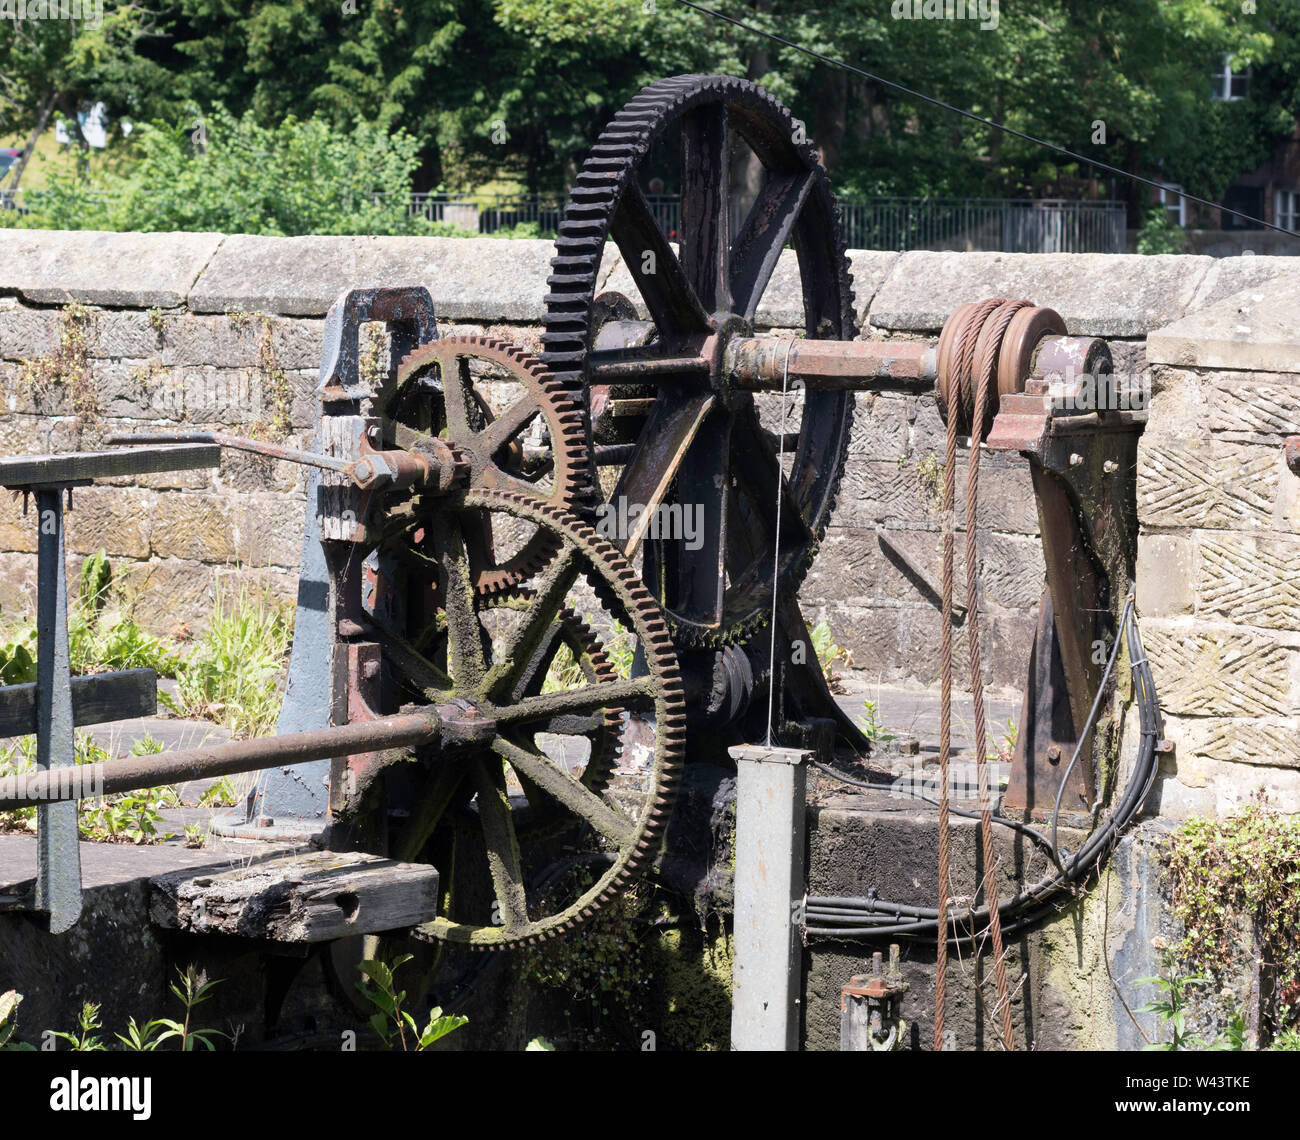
x=129 y=773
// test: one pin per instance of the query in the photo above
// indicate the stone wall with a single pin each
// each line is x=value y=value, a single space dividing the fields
x=212 y=331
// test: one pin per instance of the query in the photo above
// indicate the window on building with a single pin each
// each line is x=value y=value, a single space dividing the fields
x=1287 y=210
x=1248 y=200
x=1229 y=84
x=1171 y=197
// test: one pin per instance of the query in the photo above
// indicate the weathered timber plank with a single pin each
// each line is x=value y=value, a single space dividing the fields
x=77 y=466
x=96 y=699
x=311 y=897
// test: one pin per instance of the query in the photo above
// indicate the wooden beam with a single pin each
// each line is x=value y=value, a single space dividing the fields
x=312 y=897
x=78 y=466
x=97 y=699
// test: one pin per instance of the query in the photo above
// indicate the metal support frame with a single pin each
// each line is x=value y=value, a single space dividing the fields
x=58 y=860
x=294 y=801
x=771 y=790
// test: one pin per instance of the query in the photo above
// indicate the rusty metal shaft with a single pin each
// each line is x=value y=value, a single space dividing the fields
x=128 y=773
x=759 y=364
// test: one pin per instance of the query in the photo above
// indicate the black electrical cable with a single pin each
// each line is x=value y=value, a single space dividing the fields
x=877 y=918
x=1088 y=726
x=1095 y=162
x=1015 y=825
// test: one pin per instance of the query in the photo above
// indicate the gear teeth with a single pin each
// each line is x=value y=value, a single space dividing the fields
x=562 y=413
x=610 y=166
x=636 y=605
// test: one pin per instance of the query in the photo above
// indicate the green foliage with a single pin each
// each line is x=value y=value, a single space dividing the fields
x=1240 y=875
x=1287 y=1041
x=872 y=726
x=539 y=1045
x=83 y=1040
x=829 y=654
x=132 y=817
x=192 y=989
x=1159 y=234
x=128 y=817
x=391 y=1021
x=1006 y=748
x=222 y=793
x=66 y=367
x=462 y=93
x=216 y=171
x=231 y=674
x=18 y=659
x=1171 y=1007
x=10 y=1000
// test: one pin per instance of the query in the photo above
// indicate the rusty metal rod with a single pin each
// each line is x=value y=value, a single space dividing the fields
x=236 y=443
x=128 y=773
x=758 y=364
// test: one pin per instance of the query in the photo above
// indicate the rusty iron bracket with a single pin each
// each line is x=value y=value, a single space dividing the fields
x=870 y=1018
x=1083 y=460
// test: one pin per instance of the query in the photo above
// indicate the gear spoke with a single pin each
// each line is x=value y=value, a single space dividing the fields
x=764 y=235
x=508 y=425
x=665 y=441
x=566 y=790
x=673 y=303
x=518 y=649
x=702 y=578
x=502 y=844
x=706 y=215
x=465 y=656
x=634 y=692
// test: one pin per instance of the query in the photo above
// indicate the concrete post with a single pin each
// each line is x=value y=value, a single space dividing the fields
x=769 y=888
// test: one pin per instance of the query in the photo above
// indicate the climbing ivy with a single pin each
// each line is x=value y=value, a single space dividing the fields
x=1235 y=889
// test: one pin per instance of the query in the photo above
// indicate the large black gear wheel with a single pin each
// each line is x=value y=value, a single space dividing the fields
x=724 y=450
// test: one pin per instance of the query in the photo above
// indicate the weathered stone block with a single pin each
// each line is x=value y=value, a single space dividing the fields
x=24 y=435
x=1165 y=575
x=115 y=519
x=870 y=268
x=881 y=428
x=280 y=585
x=268 y=530
x=1254 y=409
x=1180 y=405
x=125 y=333
x=1096 y=294
x=302 y=276
x=165 y=593
x=25 y=333
x=222 y=396
x=1218 y=671
x=17 y=531
x=1206 y=483
x=847 y=568
x=1251 y=580
x=193 y=526
x=138 y=389
x=52 y=267
x=1274 y=741
x=1011 y=569
x=1253 y=330
x=17 y=587
x=1203 y=785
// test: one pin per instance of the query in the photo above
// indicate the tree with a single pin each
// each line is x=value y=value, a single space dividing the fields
x=59 y=65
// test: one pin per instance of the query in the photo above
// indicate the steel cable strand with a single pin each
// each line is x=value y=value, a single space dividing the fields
x=962 y=353
x=983 y=375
